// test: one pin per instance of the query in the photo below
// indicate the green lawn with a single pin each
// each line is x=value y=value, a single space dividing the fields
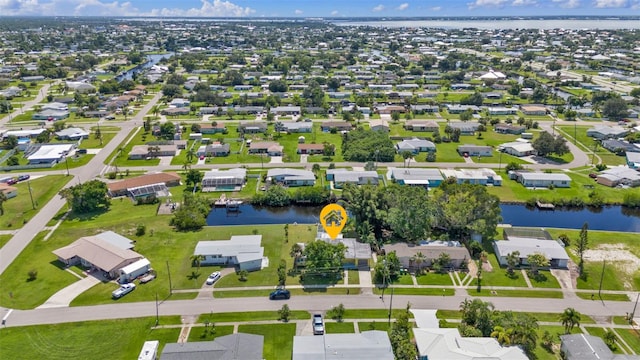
x=374 y=325
x=580 y=134
x=404 y=279
x=278 y=339
x=339 y=327
x=432 y=278
x=19 y=210
x=543 y=354
x=604 y=296
x=631 y=337
x=4 y=239
x=516 y=293
x=251 y=316
x=93 y=143
x=354 y=277
x=499 y=276
x=544 y=280
x=372 y=313
x=599 y=331
x=416 y=291
x=200 y=333
x=137 y=136
x=108 y=339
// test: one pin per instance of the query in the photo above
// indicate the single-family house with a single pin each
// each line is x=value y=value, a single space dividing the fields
x=26 y=133
x=457 y=109
x=475 y=150
x=239 y=346
x=80 y=87
x=291 y=177
x=633 y=160
x=270 y=148
x=423 y=109
x=542 y=180
x=241 y=251
x=310 y=149
x=72 y=133
x=421 y=125
x=294 y=127
x=474 y=176
x=340 y=177
x=415 y=146
x=371 y=344
x=589 y=347
x=55 y=105
x=215 y=149
x=144 y=185
x=213 y=128
x=327 y=126
x=466 y=127
x=607 y=132
x=509 y=129
x=553 y=250
x=252 y=127
x=493 y=75
x=108 y=252
x=389 y=109
x=51 y=115
x=518 y=148
x=533 y=110
x=175 y=111
x=379 y=125
x=285 y=110
x=224 y=180
x=8 y=191
x=447 y=344
x=50 y=153
x=431 y=250
x=619 y=175
x=179 y=103
x=620 y=146
x=415 y=176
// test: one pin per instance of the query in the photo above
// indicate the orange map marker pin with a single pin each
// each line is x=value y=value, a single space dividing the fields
x=333 y=217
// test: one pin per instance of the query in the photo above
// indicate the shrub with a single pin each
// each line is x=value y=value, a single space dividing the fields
x=32 y=274
x=141 y=229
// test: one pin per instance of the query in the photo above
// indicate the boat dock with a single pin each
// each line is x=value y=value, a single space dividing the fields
x=545 y=206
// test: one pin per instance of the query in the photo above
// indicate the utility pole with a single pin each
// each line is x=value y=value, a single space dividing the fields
x=31 y=195
x=633 y=313
x=66 y=161
x=169 y=273
x=390 y=305
x=157 y=313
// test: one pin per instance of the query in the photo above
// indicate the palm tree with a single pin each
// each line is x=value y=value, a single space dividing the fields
x=3 y=198
x=296 y=253
x=155 y=109
x=570 y=318
x=502 y=335
x=190 y=155
x=197 y=261
x=512 y=260
x=419 y=258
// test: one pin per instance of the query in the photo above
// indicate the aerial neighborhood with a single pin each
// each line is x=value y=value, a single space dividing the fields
x=162 y=182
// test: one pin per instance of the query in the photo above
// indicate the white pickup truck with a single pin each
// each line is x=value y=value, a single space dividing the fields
x=123 y=290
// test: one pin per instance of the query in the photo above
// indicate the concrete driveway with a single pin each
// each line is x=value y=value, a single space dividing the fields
x=64 y=297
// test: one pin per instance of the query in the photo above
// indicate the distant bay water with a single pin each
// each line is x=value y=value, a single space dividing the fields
x=511 y=23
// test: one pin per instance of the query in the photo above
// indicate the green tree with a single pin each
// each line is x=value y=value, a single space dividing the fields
x=323 y=257
x=442 y=262
x=536 y=261
x=242 y=275
x=3 y=199
x=284 y=313
x=282 y=272
x=191 y=214
x=410 y=212
x=387 y=269
x=400 y=336
x=615 y=108
x=336 y=312
x=197 y=261
x=569 y=318
x=10 y=142
x=296 y=253
x=418 y=260
x=194 y=177
x=478 y=314
x=610 y=338
x=87 y=197
x=13 y=161
x=275 y=195
x=502 y=335
x=513 y=258
x=582 y=245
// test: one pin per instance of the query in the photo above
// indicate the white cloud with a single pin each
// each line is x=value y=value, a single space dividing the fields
x=436 y=8
x=298 y=12
x=486 y=3
x=403 y=6
x=568 y=4
x=208 y=8
x=378 y=8
x=335 y=12
x=96 y=7
x=611 y=3
x=524 y=2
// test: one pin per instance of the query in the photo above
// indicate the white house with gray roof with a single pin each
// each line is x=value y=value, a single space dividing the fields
x=340 y=177
x=542 y=180
x=292 y=177
x=518 y=148
x=552 y=250
x=224 y=180
x=607 y=132
x=294 y=127
x=241 y=251
x=415 y=146
x=415 y=176
x=373 y=344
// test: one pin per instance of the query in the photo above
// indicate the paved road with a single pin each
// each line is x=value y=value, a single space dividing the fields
x=28 y=104
x=315 y=303
x=23 y=237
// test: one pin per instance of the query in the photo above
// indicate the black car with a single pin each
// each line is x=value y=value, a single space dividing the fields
x=23 y=177
x=279 y=294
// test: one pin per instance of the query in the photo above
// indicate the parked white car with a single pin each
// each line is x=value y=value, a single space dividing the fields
x=213 y=277
x=123 y=290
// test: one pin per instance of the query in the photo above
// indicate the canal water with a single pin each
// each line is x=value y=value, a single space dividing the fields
x=612 y=218
x=151 y=60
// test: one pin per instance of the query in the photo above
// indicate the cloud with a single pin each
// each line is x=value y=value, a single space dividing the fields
x=378 y=8
x=486 y=3
x=335 y=12
x=436 y=8
x=403 y=6
x=208 y=8
x=524 y=2
x=611 y=3
x=568 y=4
x=298 y=12
x=96 y=7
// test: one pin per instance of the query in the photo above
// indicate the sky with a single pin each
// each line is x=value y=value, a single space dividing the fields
x=317 y=8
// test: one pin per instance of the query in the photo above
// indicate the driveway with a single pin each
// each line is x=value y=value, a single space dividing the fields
x=64 y=297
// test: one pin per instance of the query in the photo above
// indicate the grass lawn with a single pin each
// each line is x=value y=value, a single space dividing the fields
x=200 y=333
x=404 y=280
x=499 y=276
x=632 y=338
x=374 y=325
x=580 y=134
x=540 y=351
x=278 y=339
x=517 y=293
x=19 y=210
x=372 y=313
x=136 y=137
x=4 y=239
x=353 y=277
x=339 y=328
x=614 y=278
x=432 y=278
x=417 y=291
x=544 y=280
x=109 y=339
x=92 y=142
x=608 y=297
x=251 y=316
